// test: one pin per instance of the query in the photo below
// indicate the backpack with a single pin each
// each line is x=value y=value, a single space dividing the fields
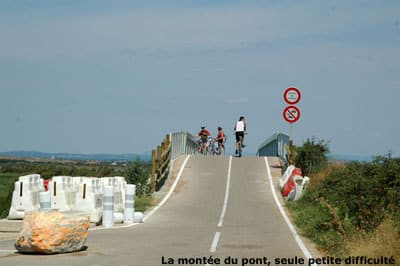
x=203 y=134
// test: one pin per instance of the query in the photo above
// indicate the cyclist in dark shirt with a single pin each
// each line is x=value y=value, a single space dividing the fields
x=221 y=140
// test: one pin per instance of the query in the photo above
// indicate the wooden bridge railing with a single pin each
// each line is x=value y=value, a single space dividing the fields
x=160 y=160
x=173 y=146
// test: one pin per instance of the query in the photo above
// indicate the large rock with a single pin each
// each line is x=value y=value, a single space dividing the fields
x=53 y=232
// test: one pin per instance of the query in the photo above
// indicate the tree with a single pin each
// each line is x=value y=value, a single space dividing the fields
x=312 y=156
x=137 y=172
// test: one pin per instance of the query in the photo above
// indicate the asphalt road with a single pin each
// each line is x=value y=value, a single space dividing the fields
x=222 y=207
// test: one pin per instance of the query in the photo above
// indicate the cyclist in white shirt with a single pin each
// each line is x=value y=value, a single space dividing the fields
x=240 y=128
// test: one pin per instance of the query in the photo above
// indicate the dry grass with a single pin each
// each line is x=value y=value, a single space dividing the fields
x=142 y=203
x=318 y=177
x=385 y=241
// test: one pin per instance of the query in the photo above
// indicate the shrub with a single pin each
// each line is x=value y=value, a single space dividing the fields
x=6 y=189
x=143 y=202
x=137 y=172
x=354 y=198
x=312 y=156
x=365 y=192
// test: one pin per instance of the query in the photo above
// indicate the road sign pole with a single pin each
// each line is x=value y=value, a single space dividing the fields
x=291 y=114
x=291 y=151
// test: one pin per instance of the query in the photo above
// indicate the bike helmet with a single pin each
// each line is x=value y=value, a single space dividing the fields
x=203 y=126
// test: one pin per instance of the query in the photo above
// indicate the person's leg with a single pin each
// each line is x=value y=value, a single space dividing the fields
x=237 y=142
x=242 y=139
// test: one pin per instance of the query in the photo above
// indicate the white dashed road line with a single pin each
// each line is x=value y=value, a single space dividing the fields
x=217 y=234
x=228 y=182
x=215 y=242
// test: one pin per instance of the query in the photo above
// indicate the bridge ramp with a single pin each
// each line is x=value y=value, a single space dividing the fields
x=189 y=224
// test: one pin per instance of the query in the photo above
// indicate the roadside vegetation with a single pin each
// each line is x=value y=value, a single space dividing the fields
x=136 y=172
x=349 y=208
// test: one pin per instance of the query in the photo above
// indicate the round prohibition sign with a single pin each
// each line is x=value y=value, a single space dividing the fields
x=292 y=95
x=291 y=114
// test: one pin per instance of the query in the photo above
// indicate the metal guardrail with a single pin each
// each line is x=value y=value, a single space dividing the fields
x=174 y=145
x=276 y=145
x=182 y=143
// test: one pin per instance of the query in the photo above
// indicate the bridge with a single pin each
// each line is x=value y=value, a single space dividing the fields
x=211 y=210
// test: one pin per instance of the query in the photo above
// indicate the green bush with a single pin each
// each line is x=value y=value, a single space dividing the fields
x=138 y=172
x=316 y=223
x=312 y=156
x=354 y=198
x=6 y=189
x=365 y=192
x=143 y=202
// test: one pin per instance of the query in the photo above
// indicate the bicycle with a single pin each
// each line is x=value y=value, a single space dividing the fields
x=202 y=149
x=221 y=147
x=240 y=144
x=210 y=146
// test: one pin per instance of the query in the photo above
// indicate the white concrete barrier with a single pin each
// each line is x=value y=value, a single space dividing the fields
x=45 y=202
x=41 y=184
x=76 y=181
x=25 y=196
x=118 y=217
x=67 y=193
x=119 y=187
x=35 y=182
x=88 y=197
x=62 y=193
x=108 y=206
x=138 y=217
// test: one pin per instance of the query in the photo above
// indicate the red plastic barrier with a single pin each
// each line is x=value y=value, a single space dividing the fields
x=289 y=185
x=46 y=184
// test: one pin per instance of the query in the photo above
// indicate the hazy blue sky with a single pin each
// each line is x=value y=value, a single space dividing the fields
x=116 y=76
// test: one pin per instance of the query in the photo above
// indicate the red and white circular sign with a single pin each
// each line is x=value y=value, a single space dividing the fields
x=292 y=95
x=291 y=114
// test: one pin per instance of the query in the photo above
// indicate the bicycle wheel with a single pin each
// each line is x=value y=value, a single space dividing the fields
x=240 y=147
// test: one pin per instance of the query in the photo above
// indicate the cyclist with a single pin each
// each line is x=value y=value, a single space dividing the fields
x=221 y=140
x=240 y=128
x=203 y=134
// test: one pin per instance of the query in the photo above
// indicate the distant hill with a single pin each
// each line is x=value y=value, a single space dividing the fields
x=350 y=158
x=104 y=157
x=108 y=157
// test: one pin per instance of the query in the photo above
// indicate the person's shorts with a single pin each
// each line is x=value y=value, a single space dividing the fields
x=238 y=135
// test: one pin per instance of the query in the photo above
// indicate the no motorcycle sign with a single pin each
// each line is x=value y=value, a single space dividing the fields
x=291 y=114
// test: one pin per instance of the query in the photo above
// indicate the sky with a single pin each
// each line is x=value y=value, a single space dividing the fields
x=96 y=76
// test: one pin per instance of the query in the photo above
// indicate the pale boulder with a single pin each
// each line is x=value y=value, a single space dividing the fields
x=53 y=232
